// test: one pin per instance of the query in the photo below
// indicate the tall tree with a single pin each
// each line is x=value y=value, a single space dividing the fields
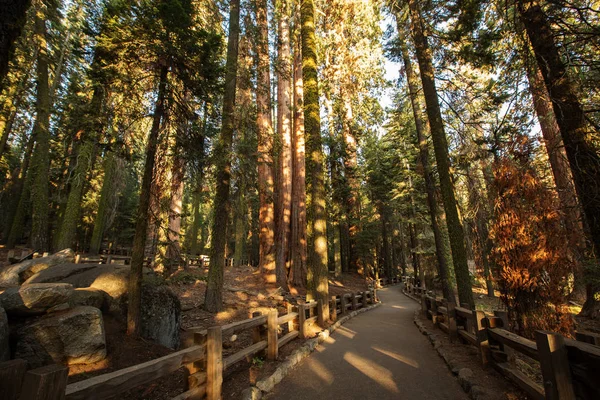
x=40 y=162
x=577 y=134
x=318 y=288
x=298 y=240
x=12 y=20
x=265 y=144
x=213 y=300
x=284 y=131
x=420 y=124
x=440 y=145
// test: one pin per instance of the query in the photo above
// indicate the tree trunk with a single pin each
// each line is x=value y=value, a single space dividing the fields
x=440 y=144
x=213 y=301
x=413 y=90
x=350 y=168
x=577 y=134
x=134 y=292
x=174 y=258
x=12 y=19
x=265 y=145
x=22 y=198
x=571 y=211
x=298 y=245
x=40 y=162
x=68 y=229
x=284 y=129
x=318 y=288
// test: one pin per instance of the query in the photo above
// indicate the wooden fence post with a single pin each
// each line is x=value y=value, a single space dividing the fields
x=194 y=376
x=291 y=323
x=301 y=320
x=320 y=315
x=555 y=366
x=482 y=339
x=343 y=304
x=424 y=305
x=333 y=309
x=272 y=327
x=214 y=363
x=452 y=328
x=354 y=302
x=11 y=378
x=45 y=383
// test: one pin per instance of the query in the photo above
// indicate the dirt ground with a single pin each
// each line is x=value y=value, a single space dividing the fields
x=467 y=356
x=244 y=293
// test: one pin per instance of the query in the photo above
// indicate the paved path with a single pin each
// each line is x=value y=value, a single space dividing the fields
x=377 y=355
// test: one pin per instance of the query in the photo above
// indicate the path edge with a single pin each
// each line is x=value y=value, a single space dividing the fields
x=464 y=375
x=266 y=385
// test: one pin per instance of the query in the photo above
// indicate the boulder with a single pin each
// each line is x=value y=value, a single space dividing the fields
x=89 y=297
x=75 y=336
x=161 y=316
x=14 y=275
x=59 y=272
x=112 y=279
x=4 y=332
x=35 y=299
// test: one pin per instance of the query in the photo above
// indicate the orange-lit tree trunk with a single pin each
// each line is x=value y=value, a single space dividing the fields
x=298 y=245
x=284 y=129
x=265 y=145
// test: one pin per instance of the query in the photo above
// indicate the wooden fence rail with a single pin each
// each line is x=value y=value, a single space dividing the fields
x=204 y=362
x=569 y=368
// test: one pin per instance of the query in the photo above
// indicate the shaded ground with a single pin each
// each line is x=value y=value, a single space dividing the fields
x=244 y=292
x=379 y=355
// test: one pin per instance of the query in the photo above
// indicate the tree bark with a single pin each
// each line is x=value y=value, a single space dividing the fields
x=571 y=210
x=12 y=19
x=40 y=162
x=134 y=292
x=413 y=90
x=440 y=144
x=213 y=301
x=298 y=244
x=318 y=288
x=284 y=129
x=577 y=134
x=265 y=146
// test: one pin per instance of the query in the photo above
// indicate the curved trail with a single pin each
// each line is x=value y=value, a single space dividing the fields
x=376 y=355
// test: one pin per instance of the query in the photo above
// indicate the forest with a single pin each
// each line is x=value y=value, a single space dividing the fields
x=454 y=141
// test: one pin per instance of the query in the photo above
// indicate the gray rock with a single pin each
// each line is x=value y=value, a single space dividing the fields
x=35 y=299
x=71 y=337
x=4 y=332
x=465 y=377
x=112 y=279
x=251 y=393
x=14 y=275
x=89 y=297
x=161 y=316
x=59 y=273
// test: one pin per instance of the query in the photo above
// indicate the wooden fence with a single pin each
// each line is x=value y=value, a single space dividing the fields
x=204 y=362
x=570 y=368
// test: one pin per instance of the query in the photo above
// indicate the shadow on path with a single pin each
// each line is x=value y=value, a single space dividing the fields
x=376 y=355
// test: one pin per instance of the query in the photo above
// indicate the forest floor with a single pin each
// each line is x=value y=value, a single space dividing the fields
x=244 y=293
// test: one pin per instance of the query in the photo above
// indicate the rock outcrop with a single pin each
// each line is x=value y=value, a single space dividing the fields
x=161 y=316
x=75 y=336
x=35 y=299
x=14 y=275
